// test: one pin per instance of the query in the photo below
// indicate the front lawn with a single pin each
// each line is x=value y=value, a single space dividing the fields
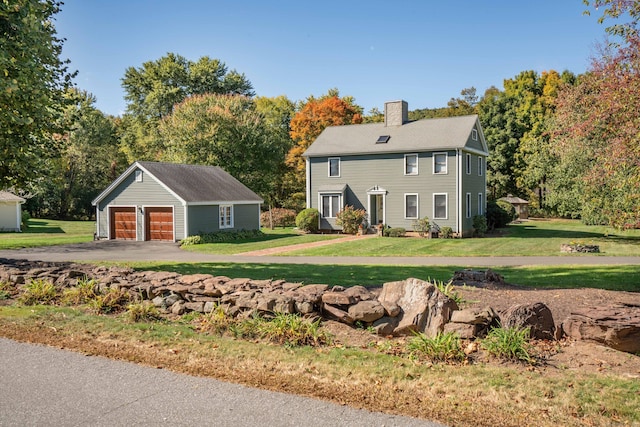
x=529 y=238
x=47 y=232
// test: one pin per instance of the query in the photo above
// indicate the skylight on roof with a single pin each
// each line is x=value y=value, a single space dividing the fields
x=383 y=139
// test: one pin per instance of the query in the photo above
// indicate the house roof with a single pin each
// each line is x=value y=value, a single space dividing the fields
x=420 y=135
x=514 y=200
x=5 y=196
x=193 y=184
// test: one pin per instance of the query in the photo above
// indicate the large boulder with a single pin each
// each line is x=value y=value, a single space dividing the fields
x=472 y=322
x=616 y=326
x=536 y=316
x=423 y=308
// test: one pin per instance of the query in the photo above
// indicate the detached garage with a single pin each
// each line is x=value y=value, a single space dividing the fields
x=10 y=211
x=168 y=201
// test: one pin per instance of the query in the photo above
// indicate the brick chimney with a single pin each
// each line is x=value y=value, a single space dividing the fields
x=396 y=113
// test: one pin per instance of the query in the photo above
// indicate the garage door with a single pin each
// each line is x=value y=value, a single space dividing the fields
x=123 y=223
x=159 y=223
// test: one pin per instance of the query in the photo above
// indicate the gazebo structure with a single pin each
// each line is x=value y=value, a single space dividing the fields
x=521 y=206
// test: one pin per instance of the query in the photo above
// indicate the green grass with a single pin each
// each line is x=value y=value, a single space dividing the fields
x=617 y=277
x=48 y=232
x=530 y=238
x=271 y=239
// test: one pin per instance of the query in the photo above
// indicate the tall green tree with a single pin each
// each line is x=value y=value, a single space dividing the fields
x=153 y=90
x=225 y=131
x=33 y=79
x=89 y=159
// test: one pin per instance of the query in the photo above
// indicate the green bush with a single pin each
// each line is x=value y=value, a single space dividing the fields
x=421 y=226
x=350 y=219
x=509 y=344
x=444 y=347
x=307 y=220
x=499 y=214
x=221 y=237
x=479 y=225
x=25 y=219
x=38 y=291
x=395 y=232
x=446 y=232
x=278 y=217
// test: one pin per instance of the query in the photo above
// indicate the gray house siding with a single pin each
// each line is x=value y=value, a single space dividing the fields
x=474 y=184
x=360 y=173
x=206 y=219
x=140 y=194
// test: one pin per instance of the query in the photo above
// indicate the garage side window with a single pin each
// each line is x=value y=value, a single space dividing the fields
x=226 y=216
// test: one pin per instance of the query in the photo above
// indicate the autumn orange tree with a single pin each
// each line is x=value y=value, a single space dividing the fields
x=314 y=115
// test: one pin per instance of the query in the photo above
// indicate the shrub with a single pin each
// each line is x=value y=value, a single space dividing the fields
x=307 y=220
x=7 y=290
x=111 y=301
x=499 y=214
x=350 y=219
x=217 y=321
x=509 y=343
x=82 y=293
x=444 y=347
x=25 y=219
x=38 y=291
x=221 y=237
x=141 y=311
x=479 y=225
x=395 y=232
x=292 y=330
x=446 y=232
x=421 y=226
x=278 y=217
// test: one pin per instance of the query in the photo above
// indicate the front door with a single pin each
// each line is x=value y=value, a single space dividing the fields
x=376 y=206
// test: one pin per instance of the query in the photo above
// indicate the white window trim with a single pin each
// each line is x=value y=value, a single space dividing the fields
x=220 y=216
x=405 y=164
x=446 y=163
x=320 y=205
x=138 y=175
x=474 y=134
x=417 y=206
x=468 y=205
x=468 y=163
x=480 y=165
x=329 y=167
x=480 y=204
x=446 y=205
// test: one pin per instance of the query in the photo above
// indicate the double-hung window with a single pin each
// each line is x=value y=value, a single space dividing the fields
x=440 y=163
x=468 y=205
x=411 y=206
x=468 y=168
x=411 y=164
x=226 y=216
x=474 y=134
x=334 y=167
x=440 y=206
x=330 y=205
x=480 y=166
x=480 y=204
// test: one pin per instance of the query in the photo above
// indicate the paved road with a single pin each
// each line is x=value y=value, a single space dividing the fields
x=44 y=386
x=112 y=250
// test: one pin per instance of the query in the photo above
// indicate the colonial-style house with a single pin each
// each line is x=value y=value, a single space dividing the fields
x=169 y=201
x=400 y=170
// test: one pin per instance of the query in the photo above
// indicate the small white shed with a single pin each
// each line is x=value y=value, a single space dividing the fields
x=10 y=211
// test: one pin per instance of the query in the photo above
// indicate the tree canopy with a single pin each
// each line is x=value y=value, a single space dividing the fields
x=32 y=85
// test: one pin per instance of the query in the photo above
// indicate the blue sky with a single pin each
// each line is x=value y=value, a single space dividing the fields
x=422 y=51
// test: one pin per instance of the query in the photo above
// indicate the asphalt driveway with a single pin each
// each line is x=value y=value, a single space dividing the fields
x=120 y=250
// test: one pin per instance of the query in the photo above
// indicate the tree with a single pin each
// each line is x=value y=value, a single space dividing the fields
x=88 y=161
x=154 y=89
x=597 y=124
x=32 y=85
x=615 y=9
x=312 y=118
x=225 y=131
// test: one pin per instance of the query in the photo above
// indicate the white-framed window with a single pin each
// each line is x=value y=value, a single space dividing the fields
x=226 y=216
x=480 y=204
x=440 y=206
x=334 y=167
x=330 y=205
x=138 y=175
x=440 y=163
x=411 y=206
x=468 y=205
x=480 y=166
x=474 y=134
x=411 y=164
x=468 y=163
